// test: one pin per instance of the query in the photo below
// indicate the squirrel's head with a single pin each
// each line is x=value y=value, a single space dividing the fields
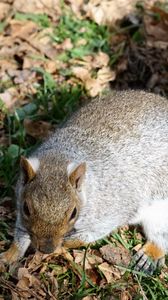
x=50 y=196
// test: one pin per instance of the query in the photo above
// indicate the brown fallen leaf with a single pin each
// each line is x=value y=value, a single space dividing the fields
x=93 y=275
x=157 y=29
x=105 y=75
x=22 y=29
x=37 y=129
x=49 y=7
x=82 y=73
x=105 y=12
x=29 y=284
x=125 y=295
x=94 y=86
x=90 y=298
x=90 y=260
x=137 y=247
x=9 y=97
x=53 y=290
x=4 y=10
x=66 y=45
x=116 y=255
x=111 y=273
x=100 y=60
x=76 y=6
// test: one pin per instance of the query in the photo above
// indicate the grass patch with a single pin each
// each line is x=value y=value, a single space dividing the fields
x=41 y=19
x=86 y=36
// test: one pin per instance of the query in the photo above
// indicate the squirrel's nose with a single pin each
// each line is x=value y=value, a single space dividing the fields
x=47 y=248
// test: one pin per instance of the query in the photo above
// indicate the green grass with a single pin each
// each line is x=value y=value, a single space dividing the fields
x=40 y=19
x=96 y=37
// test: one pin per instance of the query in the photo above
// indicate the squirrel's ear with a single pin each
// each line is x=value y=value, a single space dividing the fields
x=29 y=167
x=76 y=174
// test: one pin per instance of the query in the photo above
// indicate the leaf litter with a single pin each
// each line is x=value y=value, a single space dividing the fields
x=32 y=39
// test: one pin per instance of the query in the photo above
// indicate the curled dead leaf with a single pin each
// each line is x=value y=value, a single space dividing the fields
x=28 y=284
x=105 y=75
x=81 y=73
x=100 y=60
x=37 y=129
x=94 y=86
x=91 y=259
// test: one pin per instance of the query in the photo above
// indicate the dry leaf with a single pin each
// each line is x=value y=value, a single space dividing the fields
x=93 y=275
x=4 y=10
x=26 y=280
x=54 y=286
x=157 y=29
x=90 y=259
x=49 y=7
x=9 y=97
x=125 y=295
x=66 y=45
x=105 y=12
x=22 y=29
x=81 y=73
x=76 y=6
x=94 y=86
x=41 y=41
x=51 y=66
x=90 y=298
x=137 y=247
x=100 y=60
x=116 y=255
x=36 y=261
x=105 y=75
x=37 y=129
x=110 y=273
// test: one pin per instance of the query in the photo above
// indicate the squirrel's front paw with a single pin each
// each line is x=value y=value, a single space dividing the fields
x=148 y=258
x=9 y=257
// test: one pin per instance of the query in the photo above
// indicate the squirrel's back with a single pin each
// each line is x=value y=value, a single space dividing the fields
x=115 y=119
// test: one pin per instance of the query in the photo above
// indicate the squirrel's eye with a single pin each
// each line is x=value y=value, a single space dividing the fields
x=26 y=209
x=73 y=215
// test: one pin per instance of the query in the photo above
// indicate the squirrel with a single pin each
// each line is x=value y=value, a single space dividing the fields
x=105 y=167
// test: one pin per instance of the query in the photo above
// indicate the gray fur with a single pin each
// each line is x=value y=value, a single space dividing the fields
x=123 y=138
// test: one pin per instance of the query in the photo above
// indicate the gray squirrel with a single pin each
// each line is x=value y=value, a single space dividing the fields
x=107 y=166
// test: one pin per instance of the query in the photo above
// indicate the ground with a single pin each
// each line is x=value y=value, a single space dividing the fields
x=54 y=55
